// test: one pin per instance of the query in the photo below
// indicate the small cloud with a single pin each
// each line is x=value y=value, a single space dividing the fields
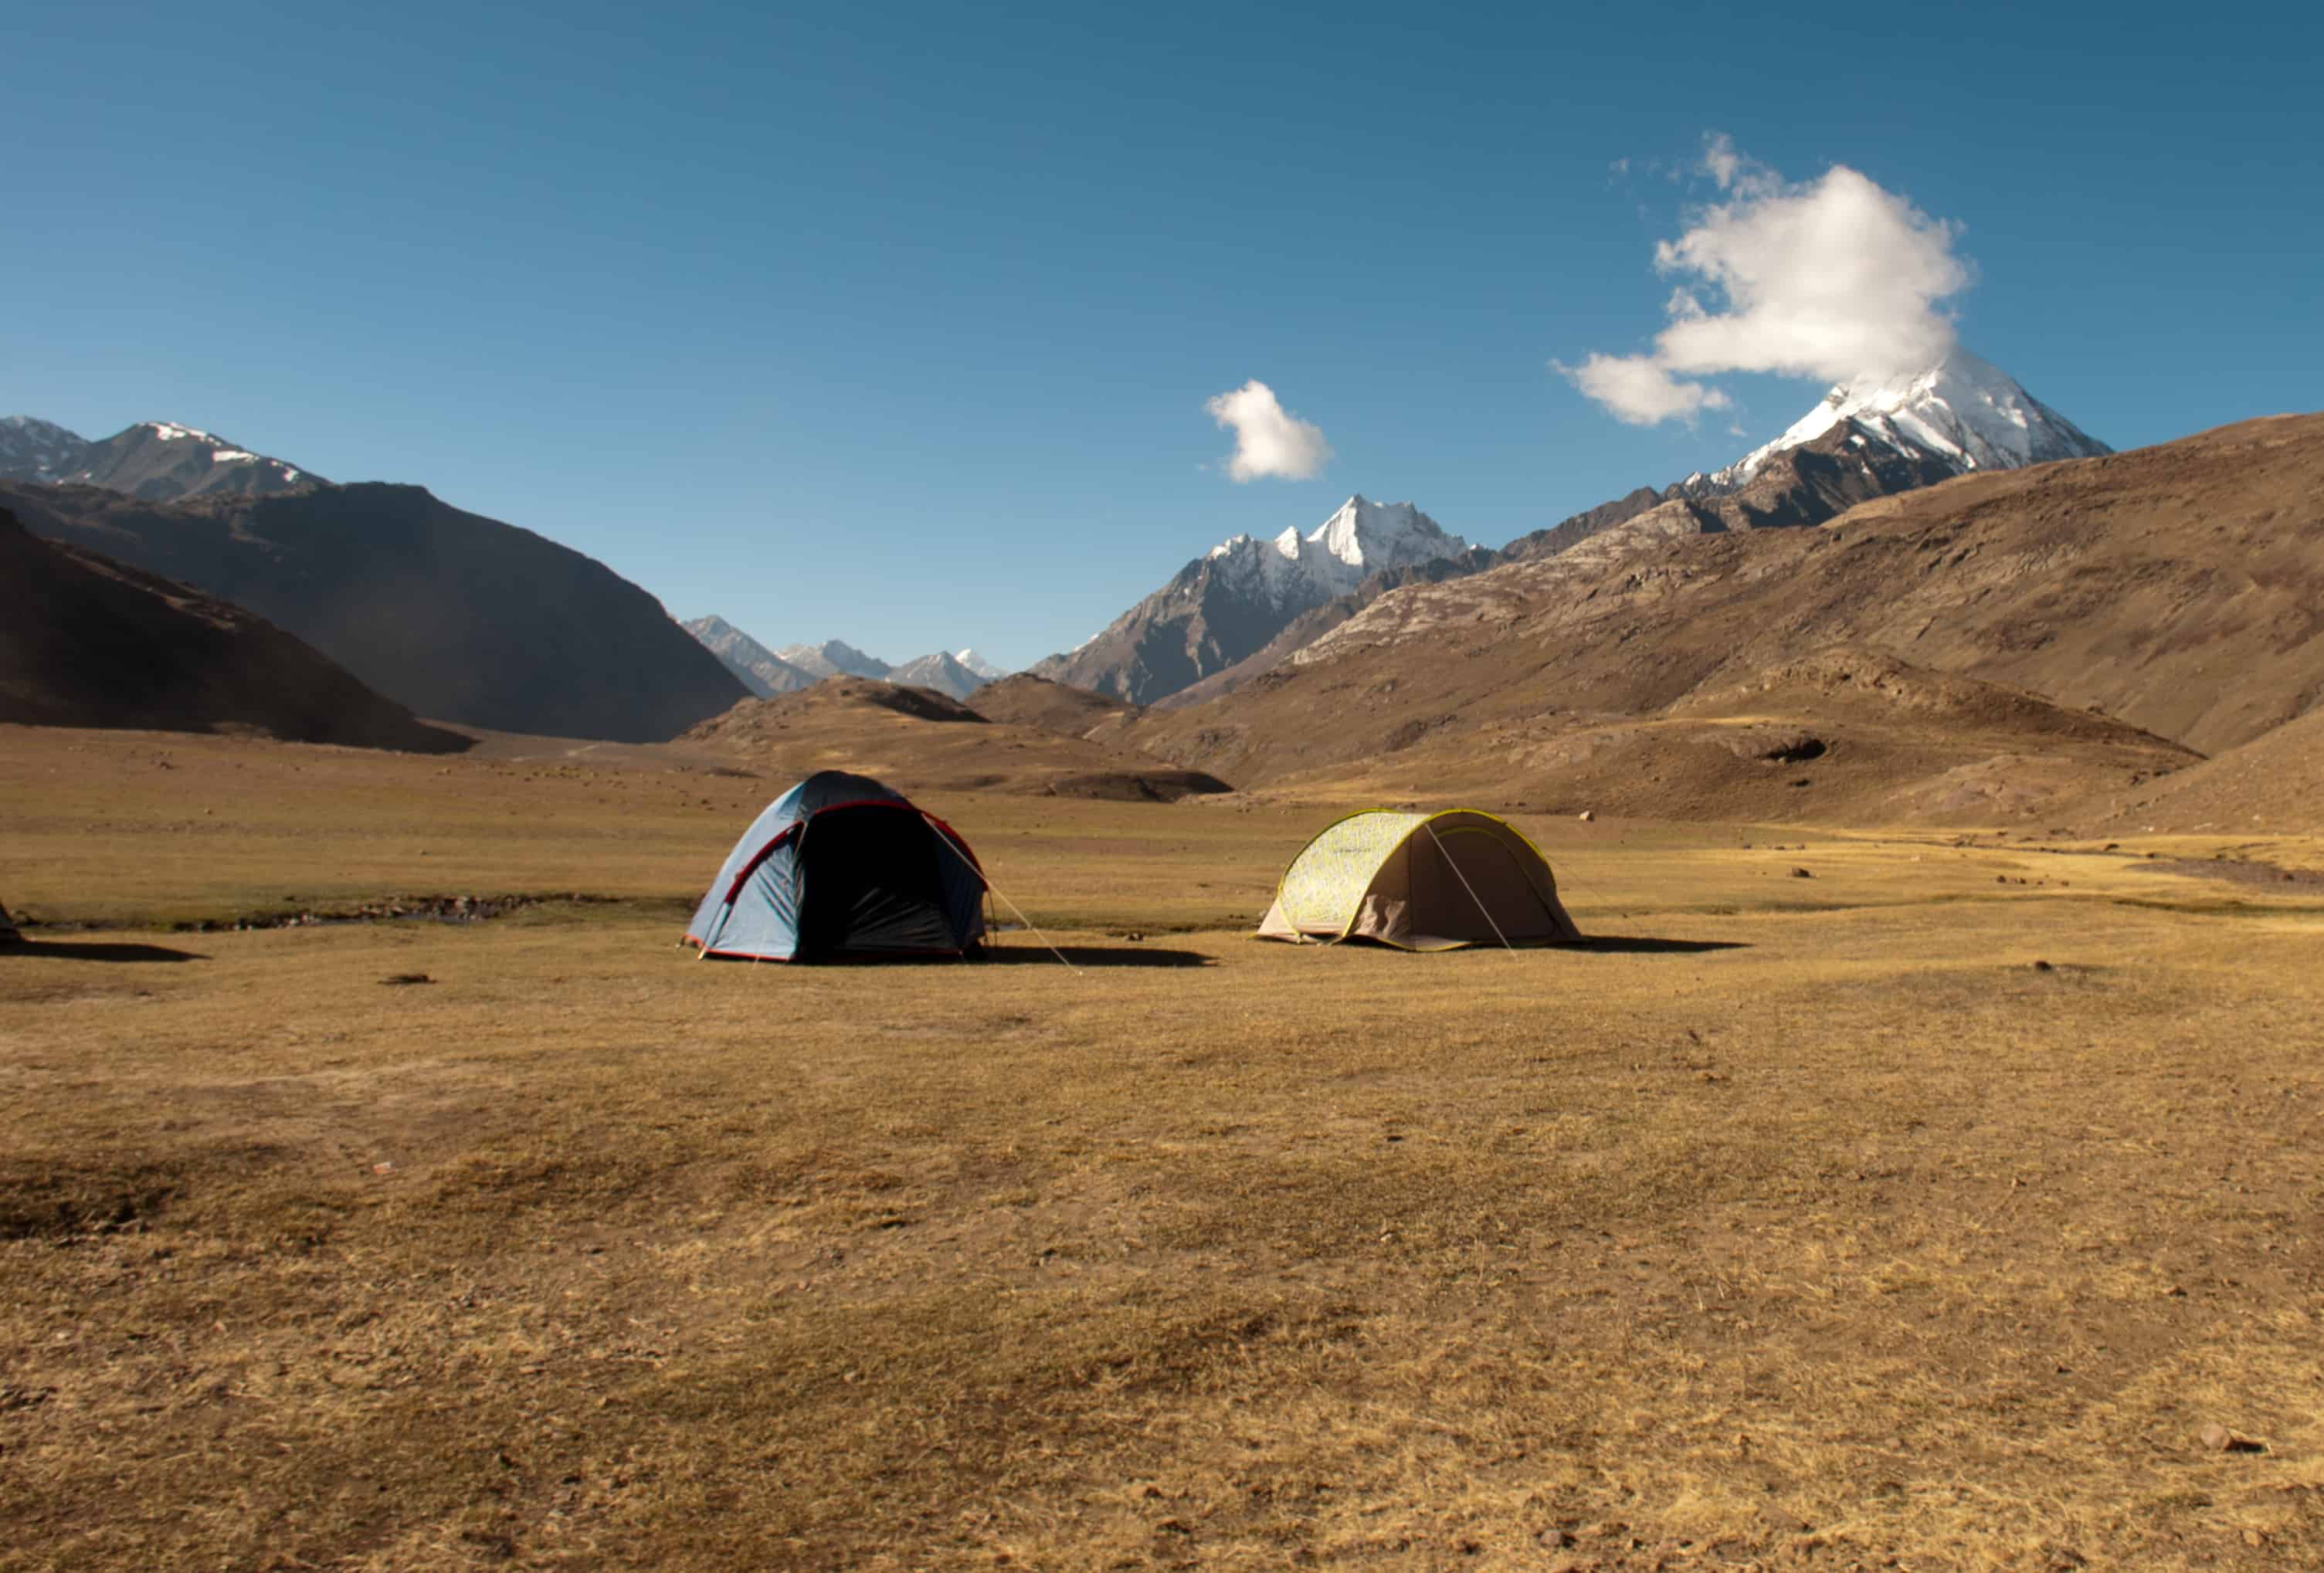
x=1621 y=166
x=1635 y=389
x=1719 y=158
x=1269 y=441
x=1735 y=171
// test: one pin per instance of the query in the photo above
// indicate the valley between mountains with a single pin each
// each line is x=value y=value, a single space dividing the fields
x=1913 y=1166
x=1931 y=600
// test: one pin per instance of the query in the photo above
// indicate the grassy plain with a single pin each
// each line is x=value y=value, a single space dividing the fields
x=1796 y=1221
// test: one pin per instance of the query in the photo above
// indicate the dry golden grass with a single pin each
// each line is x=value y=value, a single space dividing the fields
x=1860 y=1241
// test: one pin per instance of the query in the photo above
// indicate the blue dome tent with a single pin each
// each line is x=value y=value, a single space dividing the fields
x=841 y=866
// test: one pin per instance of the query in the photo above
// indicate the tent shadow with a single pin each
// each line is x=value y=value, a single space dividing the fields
x=1643 y=945
x=1091 y=956
x=97 y=951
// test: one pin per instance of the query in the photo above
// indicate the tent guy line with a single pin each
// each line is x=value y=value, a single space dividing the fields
x=957 y=852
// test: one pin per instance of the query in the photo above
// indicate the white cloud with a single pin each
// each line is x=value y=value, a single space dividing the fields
x=1733 y=170
x=1719 y=158
x=1639 y=391
x=1835 y=278
x=1268 y=439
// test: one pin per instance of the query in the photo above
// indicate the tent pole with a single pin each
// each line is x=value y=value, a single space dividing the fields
x=1431 y=826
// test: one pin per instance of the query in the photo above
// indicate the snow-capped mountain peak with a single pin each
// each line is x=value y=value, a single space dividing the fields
x=1227 y=603
x=1370 y=536
x=1360 y=539
x=158 y=460
x=767 y=672
x=1963 y=410
x=834 y=659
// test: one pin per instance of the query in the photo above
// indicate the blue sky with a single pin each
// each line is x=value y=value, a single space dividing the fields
x=897 y=323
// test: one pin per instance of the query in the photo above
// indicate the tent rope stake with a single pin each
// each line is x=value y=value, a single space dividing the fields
x=1429 y=826
x=1012 y=906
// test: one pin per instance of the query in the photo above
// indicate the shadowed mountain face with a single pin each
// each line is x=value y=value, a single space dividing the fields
x=85 y=642
x=2179 y=589
x=459 y=617
x=156 y=460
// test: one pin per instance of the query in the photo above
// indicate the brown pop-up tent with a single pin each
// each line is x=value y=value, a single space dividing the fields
x=1419 y=882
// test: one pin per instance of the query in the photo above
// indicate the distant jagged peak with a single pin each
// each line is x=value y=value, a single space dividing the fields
x=32 y=449
x=1360 y=537
x=1964 y=410
x=757 y=667
x=979 y=666
x=835 y=659
x=941 y=670
x=32 y=425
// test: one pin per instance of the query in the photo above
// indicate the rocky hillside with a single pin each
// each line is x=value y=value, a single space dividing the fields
x=2269 y=784
x=1231 y=602
x=1960 y=417
x=86 y=641
x=459 y=617
x=1247 y=607
x=2178 y=590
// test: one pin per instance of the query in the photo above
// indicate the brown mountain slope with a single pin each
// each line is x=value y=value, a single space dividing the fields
x=918 y=740
x=2180 y=587
x=1844 y=736
x=1316 y=622
x=1804 y=485
x=85 y=642
x=2275 y=782
x=1025 y=700
x=456 y=615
